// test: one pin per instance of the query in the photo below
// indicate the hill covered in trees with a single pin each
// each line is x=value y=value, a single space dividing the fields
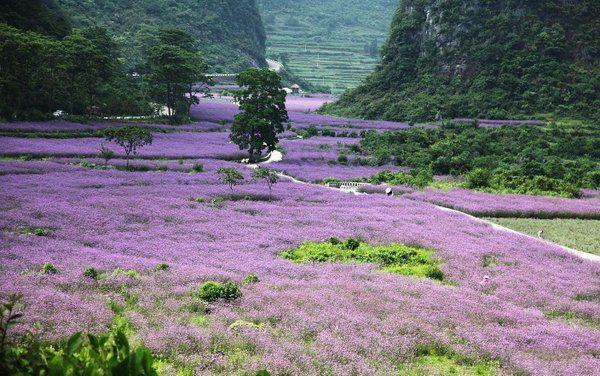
x=331 y=43
x=229 y=32
x=41 y=16
x=478 y=58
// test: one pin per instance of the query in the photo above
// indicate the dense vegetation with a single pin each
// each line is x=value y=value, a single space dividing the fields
x=42 y=16
x=393 y=258
x=262 y=112
x=485 y=59
x=105 y=354
x=229 y=33
x=553 y=160
x=82 y=73
x=333 y=44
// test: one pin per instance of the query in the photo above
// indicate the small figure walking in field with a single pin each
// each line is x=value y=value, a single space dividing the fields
x=389 y=192
x=540 y=234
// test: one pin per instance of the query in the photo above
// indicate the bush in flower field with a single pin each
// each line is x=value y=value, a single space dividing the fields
x=90 y=272
x=49 y=268
x=211 y=291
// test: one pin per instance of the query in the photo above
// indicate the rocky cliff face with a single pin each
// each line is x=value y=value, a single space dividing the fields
x=229 y=32
x=487 y=59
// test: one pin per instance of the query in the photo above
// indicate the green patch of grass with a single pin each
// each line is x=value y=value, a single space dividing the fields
x=433 y=360
x=200 y=320
x=580 y=234
x=394 y=258
x=573 y=318
x=37 y=231
x=131 y=273
x=588 y=297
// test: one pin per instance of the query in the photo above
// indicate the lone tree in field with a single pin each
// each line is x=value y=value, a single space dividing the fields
x=130 y=138
x=231 y=176
x=269 y=176
x=262 y=112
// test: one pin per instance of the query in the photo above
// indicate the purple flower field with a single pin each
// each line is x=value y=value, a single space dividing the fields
x=525 y=305
x=61 y=125
x=510 y=205
x=165 y=145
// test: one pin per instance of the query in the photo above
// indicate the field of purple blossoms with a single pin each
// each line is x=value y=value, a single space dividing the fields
x=511 y=205
x=524 y=304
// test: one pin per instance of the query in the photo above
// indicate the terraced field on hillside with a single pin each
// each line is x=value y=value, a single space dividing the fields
x=329 y=43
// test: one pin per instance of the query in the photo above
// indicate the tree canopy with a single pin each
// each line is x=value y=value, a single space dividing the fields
x=262 y=112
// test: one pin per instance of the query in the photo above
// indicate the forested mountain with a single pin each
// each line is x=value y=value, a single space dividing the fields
x=42 y=16
x=229 y=32
x=480 y=58
x=332 y=43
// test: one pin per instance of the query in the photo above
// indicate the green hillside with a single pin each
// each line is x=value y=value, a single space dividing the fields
x=40 y=16
x=229 y=32
x=479 y=58
x=333 y=43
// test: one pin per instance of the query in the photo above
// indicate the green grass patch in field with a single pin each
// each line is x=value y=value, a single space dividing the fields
x=573 y=318
x=580 y=234
x=393 y=258
x=433 y=360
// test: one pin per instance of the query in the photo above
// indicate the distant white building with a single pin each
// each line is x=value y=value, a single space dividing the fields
x=295 y=89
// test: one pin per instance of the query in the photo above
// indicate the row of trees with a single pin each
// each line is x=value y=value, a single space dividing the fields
x=83 y=74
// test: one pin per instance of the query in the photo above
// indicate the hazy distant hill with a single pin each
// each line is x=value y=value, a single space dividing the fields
x=487 y=59
x=230 y=32
x=330 y=42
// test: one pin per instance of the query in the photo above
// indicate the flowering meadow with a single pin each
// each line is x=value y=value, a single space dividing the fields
x=509 y=303
x=511 y=205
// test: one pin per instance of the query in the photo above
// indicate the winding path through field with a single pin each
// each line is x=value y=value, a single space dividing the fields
x=277 y=156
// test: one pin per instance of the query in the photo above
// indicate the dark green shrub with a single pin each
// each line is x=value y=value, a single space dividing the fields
x=592 y=179
x=162 y=266
x=49 y=268
x=478 y=178
x=90 y=272
x=334 y=241
x=251 y=278
x=352 y=243
x=211 y=291
x=197 y=168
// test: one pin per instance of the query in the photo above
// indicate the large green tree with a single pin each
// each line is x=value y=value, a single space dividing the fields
x=262 y=111
x=175 y=67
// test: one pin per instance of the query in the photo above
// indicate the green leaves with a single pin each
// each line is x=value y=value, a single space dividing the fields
x=211 y=291
x=231 y=176
x=175 y=66
x=262 y=111
x=130 y=138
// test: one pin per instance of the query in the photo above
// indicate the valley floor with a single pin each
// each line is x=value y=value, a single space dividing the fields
x=505 y=303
